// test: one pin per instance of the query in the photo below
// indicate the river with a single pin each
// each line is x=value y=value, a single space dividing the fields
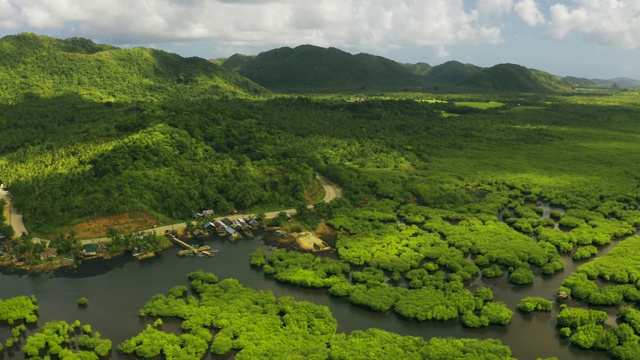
x=118 y=288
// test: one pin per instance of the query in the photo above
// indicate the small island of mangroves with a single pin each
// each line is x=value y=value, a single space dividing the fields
x=491 y=225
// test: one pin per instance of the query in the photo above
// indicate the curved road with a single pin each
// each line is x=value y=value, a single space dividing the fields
x=15 y=219
x=331 y=191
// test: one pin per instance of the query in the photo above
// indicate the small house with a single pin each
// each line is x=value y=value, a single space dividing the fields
x=207 y=212
x=89 y=249
x=230 y=230
x=198 y=233
x=209 y=226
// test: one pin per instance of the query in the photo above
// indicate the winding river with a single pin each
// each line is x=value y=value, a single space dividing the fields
x=118 y=288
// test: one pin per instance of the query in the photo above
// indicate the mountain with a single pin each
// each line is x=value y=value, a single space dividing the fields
x=41 y=66
x=420 y=68
x=622 y=82
x=233 y=61
x=580 y=82
x=512 y=77
x=451 y=73
x=308 y=68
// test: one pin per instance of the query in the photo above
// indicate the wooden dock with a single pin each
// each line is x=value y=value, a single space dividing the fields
x=203 y=250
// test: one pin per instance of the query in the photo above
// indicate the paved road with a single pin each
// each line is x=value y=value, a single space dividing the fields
x=331 y=191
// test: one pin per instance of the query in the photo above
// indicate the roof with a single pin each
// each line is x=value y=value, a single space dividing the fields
x=90 y=247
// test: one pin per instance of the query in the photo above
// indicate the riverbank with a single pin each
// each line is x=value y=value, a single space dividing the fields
x=9 y=263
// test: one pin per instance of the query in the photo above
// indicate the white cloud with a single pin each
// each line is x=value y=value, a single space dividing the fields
x=8 y=15
x=488 y=9
x=529 y=12
x=603 y=22
x=347 y=23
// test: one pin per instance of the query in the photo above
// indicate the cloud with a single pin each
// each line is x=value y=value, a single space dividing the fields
x=603 y=22
x=442 y=53
x=8 y=15
x=529 y=12
x=488 y=9
x=348 y=23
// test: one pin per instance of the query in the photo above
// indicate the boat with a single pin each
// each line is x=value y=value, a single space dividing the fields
x=142 y=256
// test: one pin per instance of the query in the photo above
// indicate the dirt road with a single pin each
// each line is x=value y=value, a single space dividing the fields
x=15 y=219
x=331 y=191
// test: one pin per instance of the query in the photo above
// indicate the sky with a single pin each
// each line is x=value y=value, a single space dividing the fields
x=584 y=38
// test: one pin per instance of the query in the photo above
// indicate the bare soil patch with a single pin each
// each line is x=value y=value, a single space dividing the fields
x=127 y=222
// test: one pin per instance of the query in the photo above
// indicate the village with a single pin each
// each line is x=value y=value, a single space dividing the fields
x=24 y=252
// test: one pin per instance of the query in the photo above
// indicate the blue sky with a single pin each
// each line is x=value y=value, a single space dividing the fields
x=585 y=38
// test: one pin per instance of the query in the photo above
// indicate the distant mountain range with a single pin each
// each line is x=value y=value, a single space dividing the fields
x=41 y=66
x=309 y=69
x=620 y=82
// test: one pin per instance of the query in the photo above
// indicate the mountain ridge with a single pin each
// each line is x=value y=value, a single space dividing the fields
x=42 y=66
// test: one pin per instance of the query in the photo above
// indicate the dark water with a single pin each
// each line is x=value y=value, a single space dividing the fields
x=118 y=288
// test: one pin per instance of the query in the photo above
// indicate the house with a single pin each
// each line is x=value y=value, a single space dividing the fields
x=89 y=249
x=198 y=233
x=209 y=226
x=227 y=221
x=207 y=212
x=229 y=230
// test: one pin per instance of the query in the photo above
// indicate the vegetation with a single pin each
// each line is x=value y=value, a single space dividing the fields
x=430 y=201
x=60 y=339
x=36 y=66
x=83 y=301
x=618 y=269
x=254 y=324
x=530 y=304
x=137 y=242
x=608 y=281
x=19 y=309
x=512 y=77
x=333 y=70
x=5 y=228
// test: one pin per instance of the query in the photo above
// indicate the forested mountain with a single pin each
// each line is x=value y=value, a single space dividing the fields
x=420 y=68
x=41 y=66
x=308 y=68
x=234 y=61
x=512 y=77
x=313 y=69
x=451 y=73
x=579 y=82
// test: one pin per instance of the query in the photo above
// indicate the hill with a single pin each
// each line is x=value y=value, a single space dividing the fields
x=308 y=68
x=622 y=82
x=420 y=68
x=512 y=77
x=233 y=61
x=580 y=82
x=41 y=66
x=451 y=73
